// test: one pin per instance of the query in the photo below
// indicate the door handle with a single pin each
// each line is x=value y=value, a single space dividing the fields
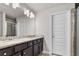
x=53 y=36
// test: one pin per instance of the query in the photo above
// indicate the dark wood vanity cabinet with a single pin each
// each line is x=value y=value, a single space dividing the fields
x=30 y=48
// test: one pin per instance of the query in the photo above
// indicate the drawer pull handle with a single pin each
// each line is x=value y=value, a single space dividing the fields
x=5 y=53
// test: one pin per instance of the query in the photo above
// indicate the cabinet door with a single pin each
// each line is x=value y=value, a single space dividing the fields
x=36 y=51
x=28 y=51
x=17 y=54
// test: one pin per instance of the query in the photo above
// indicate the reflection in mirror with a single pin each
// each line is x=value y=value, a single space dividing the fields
x=16 y=23
x=11 y=27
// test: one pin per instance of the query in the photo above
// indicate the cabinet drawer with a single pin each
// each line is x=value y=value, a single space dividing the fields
x=28 y=52
x=30 y=43
x=20 y=47
x=17 y=54
x=7 y=51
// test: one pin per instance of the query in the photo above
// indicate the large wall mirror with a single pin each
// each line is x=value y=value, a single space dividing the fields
x=10 y=27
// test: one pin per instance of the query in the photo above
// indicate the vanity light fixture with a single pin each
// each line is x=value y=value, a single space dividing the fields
x=27 y=12
x=32 y=15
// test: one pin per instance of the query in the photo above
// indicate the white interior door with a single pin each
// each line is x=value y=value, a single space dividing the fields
x=59 y=21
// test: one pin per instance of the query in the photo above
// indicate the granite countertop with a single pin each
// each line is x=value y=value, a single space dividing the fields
x=7 y=43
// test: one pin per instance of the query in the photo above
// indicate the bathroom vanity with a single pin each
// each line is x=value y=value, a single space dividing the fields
x=22 y=47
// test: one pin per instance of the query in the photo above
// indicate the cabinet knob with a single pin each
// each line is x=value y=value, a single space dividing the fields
x=24 y=53
x=5 y=53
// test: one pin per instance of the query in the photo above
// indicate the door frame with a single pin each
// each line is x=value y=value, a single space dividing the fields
x=75 y=31
x=69 y=27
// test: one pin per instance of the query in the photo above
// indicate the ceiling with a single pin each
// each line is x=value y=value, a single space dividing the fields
x=42 y=6
x=36 y=7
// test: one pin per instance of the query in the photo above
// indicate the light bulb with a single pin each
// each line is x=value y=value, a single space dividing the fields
x=32 y=15
x=26 y=12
